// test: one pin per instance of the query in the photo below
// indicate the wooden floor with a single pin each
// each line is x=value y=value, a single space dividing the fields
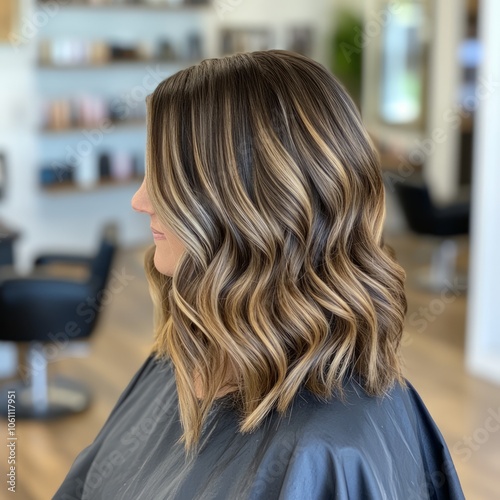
x=433 y=352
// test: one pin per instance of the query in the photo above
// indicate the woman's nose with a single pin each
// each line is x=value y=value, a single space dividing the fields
x=140 y=200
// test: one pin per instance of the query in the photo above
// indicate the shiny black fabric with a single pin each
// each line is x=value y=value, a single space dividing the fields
x=363 y=448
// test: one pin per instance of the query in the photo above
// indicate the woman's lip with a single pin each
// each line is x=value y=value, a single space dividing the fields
x=157 y=235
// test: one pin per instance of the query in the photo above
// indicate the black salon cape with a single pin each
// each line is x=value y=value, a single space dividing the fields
x=363 y=448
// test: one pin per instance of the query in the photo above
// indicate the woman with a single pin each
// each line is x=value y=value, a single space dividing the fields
x=275 y=372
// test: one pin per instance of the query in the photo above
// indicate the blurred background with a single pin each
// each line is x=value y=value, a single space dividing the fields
x=75 y=313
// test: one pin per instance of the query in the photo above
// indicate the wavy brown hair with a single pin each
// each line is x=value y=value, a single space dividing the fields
x=260 y=164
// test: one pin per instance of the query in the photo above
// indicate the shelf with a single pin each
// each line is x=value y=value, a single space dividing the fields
x=118 y=64
x=127 y=6
x=118 y=126
x=71 y=187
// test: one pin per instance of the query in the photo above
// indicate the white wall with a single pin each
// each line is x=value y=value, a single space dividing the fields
x=442 y=167
x=17 y=130
x=483 y=325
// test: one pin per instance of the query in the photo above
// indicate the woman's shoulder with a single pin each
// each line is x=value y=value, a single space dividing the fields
x=385 y=443
x=356 y=417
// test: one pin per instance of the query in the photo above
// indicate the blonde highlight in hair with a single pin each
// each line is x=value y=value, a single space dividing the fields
x=260 y=164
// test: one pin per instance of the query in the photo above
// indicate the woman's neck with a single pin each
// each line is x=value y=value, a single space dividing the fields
x=228 y=387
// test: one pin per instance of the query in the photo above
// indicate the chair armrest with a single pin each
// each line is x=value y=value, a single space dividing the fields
x=42 y=260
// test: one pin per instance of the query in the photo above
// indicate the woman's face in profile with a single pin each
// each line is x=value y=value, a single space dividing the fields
x=169 y=248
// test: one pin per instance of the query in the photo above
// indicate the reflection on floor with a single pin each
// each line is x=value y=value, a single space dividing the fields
x=433 y=351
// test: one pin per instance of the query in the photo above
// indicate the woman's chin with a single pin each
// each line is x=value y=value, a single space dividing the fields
x=162 y=266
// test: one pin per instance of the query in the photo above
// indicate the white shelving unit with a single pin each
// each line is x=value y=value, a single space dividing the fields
x=65 y=213
x=122 y=83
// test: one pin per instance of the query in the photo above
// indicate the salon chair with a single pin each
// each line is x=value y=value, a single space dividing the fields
x=46 y=315
x=442 y=223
